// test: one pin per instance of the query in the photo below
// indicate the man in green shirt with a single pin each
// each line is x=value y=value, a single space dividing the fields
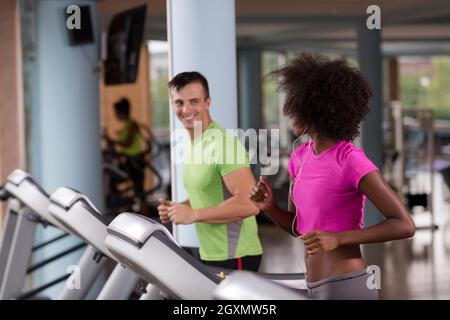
x=217 y=178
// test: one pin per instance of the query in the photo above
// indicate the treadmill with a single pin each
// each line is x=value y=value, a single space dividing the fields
x=27 y=207
x=76 y=213
x=146 y=247
x=245 y=285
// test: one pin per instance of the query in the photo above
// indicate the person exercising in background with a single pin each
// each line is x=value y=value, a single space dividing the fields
x=129 y=141
x=218 y=204
x=331 y=178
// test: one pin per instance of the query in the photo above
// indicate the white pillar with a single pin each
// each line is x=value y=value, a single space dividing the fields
x=202 y=38
x=68 y=104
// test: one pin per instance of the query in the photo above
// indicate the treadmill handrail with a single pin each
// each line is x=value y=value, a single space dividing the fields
x=188 y=258
x=122 y=223
x=76 y=197
x=18 y=176
x=117 y=229
x=4 y=194
x=66 y=197
x=266 y=275
x=251 y=286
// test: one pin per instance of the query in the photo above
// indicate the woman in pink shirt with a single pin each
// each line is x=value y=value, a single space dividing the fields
x=331 y=178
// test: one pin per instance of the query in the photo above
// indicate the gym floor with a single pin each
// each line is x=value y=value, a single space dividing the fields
x=417 y=268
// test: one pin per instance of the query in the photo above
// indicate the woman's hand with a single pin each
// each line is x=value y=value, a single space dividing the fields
x=262 y=195
x=320 y=241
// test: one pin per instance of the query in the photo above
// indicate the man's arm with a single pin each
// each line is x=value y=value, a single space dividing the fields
x=163 y=208
x=237 y=207
x=186 y=202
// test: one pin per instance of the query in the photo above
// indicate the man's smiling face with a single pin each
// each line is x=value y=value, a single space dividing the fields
x=191 y=104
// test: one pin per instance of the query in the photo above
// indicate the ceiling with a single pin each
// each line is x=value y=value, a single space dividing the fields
x=408 y=26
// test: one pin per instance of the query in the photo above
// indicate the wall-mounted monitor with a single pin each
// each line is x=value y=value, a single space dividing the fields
x=123 y=46
x=85 y=34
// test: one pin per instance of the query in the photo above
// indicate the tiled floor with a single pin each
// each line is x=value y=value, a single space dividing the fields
x=417 y=268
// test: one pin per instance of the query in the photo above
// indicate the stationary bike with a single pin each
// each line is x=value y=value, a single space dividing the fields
x=124 y=176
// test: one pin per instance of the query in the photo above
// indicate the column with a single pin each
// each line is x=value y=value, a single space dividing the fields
x=370 y=64
x=250 y=88
x=202 y=37
x=62 y=88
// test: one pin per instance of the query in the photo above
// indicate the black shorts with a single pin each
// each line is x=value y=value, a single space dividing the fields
x=250 y=263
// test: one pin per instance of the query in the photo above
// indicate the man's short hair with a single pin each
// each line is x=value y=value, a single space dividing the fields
x=184 y=78
x=122 y=107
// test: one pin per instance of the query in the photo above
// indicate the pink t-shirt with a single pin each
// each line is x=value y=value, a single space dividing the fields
x=326 y=191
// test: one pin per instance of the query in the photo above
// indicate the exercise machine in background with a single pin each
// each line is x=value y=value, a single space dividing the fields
x=120 y=191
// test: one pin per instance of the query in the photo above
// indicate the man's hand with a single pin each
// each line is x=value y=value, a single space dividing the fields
x=163 y=210
x=320 y=241
x=181 y=214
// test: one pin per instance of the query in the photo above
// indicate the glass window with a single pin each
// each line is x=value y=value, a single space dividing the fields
x=159 y=76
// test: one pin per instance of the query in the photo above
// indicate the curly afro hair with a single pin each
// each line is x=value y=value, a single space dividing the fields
x=329 y=97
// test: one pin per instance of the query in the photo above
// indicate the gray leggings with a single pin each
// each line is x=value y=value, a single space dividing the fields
x=348 y=286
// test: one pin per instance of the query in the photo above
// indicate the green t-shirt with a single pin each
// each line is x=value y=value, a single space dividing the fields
x=207 y=159
x=136 y=145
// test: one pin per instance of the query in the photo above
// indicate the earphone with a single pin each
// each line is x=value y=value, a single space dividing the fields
x=291 y=187
x=298 y=175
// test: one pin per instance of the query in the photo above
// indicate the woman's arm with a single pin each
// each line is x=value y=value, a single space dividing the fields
x=397 y=224
x=262 y=197
x=283 y=219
